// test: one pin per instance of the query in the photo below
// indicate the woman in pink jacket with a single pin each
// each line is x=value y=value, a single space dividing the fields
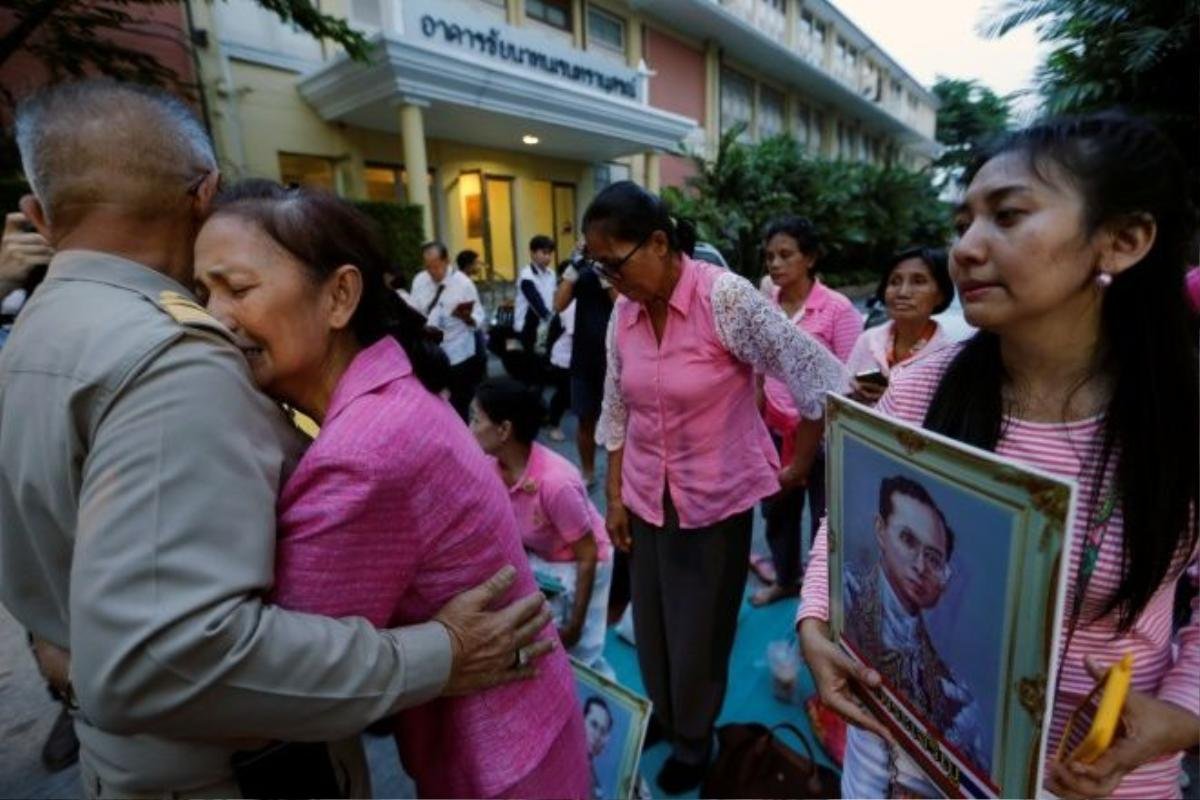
x=393 y=510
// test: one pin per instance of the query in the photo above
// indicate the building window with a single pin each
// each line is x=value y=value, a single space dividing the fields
x=302 y=170
x=737 y=101
x=770 y=113
x=385 y=183
x=776 y=5
x=555 y=13
x=611 y=172
x=817 y=129
x=872 y=86
x=605 y=30
x=800 y=124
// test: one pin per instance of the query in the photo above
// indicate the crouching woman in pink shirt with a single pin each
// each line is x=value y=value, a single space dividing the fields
x=689 y=455
x=393 y=510
x=563 y=532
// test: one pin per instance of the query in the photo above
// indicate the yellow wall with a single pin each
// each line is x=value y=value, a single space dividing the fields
x=267 y=100
x=531 y=201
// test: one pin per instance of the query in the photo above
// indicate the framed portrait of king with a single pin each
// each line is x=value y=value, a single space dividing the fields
x=945 y=576
x=615 y=720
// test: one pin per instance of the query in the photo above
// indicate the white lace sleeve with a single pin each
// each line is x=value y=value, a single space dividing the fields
x=756 y=333
x=610 y=429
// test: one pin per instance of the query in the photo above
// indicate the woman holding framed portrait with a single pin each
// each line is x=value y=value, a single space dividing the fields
x=1070 y=254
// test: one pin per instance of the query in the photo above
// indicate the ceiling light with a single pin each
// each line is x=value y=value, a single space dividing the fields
x=529 y=138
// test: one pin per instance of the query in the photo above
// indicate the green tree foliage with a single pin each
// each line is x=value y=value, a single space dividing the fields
x=74 y=38
x=969 y=114
x=402 y=231
x=1142 y=55
x=864 y=212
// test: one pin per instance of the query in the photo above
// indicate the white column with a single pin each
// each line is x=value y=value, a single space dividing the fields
x=653 y=172
x=412 y=131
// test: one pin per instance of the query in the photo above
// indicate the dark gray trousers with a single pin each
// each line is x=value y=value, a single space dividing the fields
x=784 y=513
x=687 y=591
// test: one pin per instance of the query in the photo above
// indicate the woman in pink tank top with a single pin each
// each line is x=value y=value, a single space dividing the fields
x=393 y=510
x=1069 y=256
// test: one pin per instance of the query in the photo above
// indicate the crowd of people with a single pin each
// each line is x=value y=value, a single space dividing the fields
x=225 y=602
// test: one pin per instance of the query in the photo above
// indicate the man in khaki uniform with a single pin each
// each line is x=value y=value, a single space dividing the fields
x=140 y=471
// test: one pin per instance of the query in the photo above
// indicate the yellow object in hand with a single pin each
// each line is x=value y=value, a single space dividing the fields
x=1114 y=688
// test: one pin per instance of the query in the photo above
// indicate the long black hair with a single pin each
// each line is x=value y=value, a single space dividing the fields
x=324 y=232
x=629 y=213
x=1122 y=166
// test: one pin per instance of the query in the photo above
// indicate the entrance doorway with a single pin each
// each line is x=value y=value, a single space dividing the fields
x=485 y=220
x=554 y=214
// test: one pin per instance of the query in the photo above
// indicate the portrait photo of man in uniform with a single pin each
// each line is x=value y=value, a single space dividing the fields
x=886 y=608
x=598 y=724
x=614 y=724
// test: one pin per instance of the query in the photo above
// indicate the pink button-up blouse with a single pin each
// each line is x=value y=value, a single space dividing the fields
x=393 y=511
x=684 y=410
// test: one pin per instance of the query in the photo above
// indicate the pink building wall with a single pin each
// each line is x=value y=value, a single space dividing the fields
x=676 y=86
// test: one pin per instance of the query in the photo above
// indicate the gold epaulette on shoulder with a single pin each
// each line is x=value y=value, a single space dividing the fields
x=188 y=312
x=304 y=423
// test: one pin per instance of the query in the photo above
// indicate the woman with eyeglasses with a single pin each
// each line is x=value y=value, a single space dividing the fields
x=1072 y=240
x=689 y=455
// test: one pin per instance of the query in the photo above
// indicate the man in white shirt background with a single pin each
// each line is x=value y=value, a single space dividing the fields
x=535 y=291
x=450 y=302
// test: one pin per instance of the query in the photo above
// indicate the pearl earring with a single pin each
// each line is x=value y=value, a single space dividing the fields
x=1103 y=279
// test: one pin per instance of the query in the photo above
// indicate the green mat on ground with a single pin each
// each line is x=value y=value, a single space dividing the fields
x=749 y=697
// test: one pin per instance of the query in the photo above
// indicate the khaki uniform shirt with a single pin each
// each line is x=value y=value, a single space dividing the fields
x=139 y=468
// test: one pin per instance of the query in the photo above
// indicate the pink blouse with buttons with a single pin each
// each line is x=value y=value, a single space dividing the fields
x=683 y=409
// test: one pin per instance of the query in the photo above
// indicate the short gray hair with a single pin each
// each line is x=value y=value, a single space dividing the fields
x=104 y=141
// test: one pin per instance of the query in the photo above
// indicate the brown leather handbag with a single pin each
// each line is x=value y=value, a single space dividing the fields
x=753 y=762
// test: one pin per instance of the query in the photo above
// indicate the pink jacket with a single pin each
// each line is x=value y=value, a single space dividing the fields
x=393 y=510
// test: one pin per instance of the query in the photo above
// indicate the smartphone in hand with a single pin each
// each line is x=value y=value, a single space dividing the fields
x=872 y=376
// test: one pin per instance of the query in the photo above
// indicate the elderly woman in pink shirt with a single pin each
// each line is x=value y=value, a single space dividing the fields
x=791 y=247
x=689 y=455
x=393 y=509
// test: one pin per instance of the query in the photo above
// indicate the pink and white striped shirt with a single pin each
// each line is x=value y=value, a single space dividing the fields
x=1165 y=666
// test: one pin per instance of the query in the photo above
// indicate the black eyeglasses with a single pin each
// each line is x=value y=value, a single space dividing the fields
x=613 y=270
